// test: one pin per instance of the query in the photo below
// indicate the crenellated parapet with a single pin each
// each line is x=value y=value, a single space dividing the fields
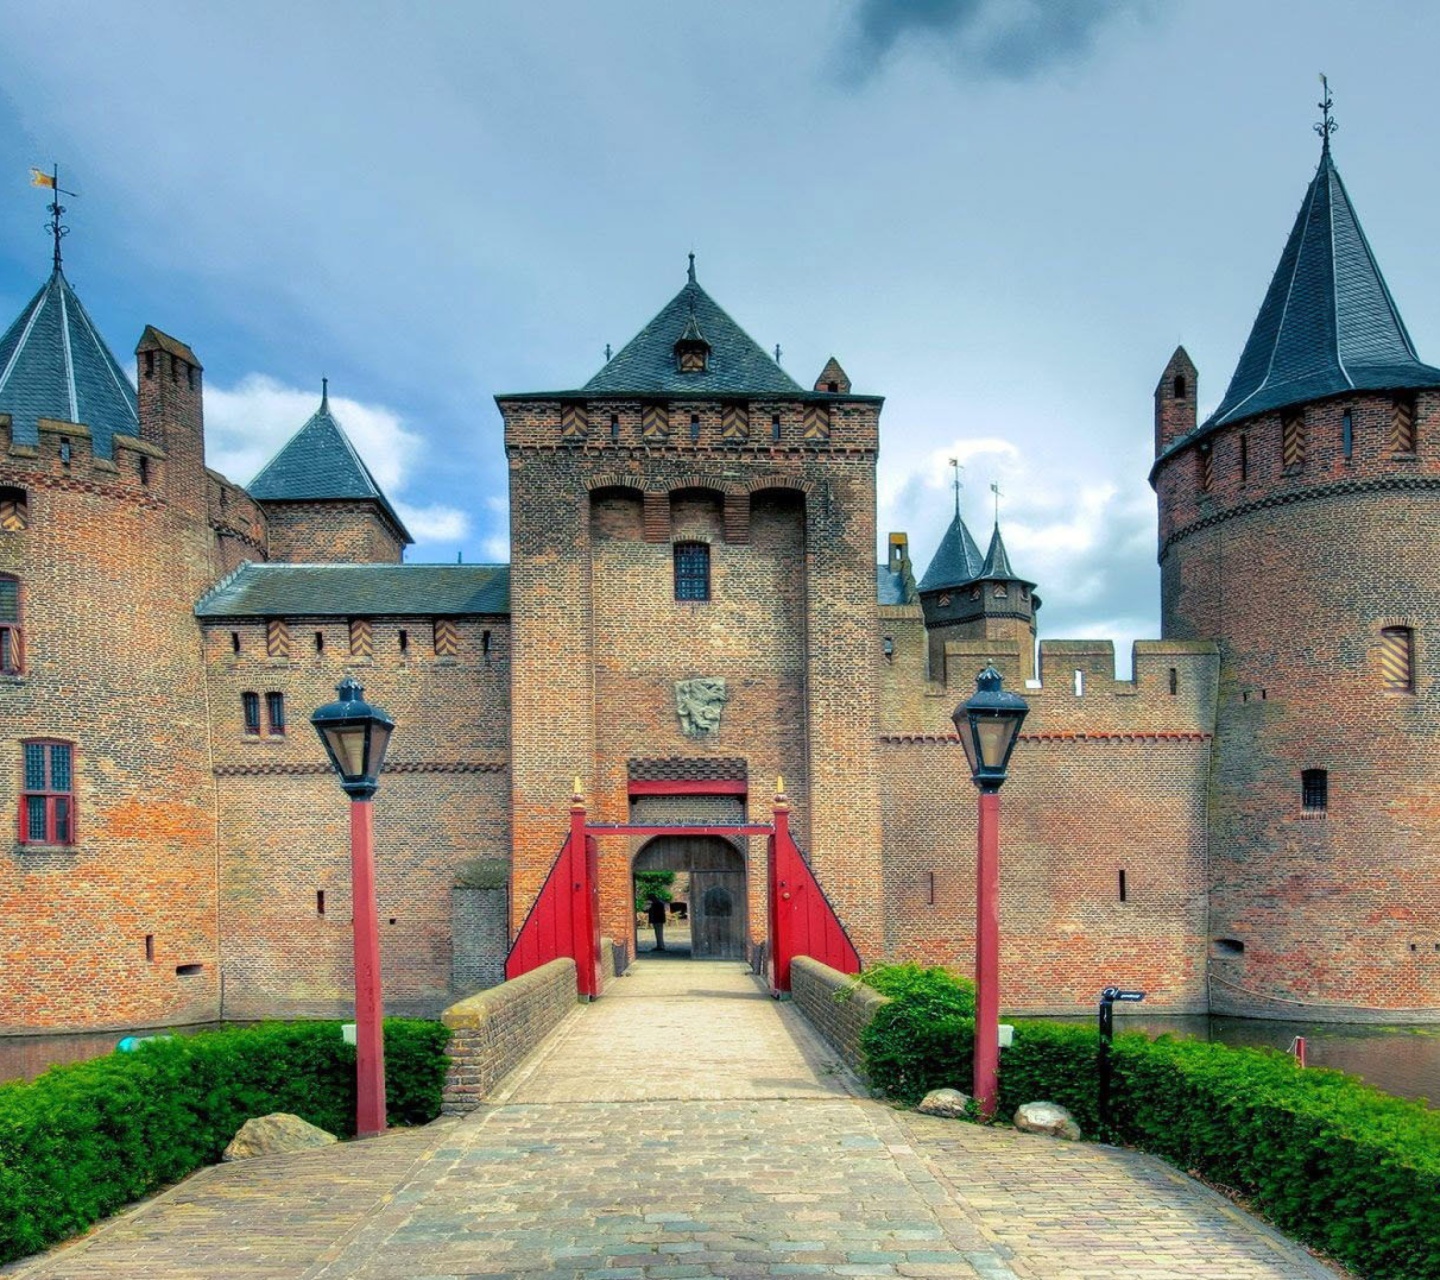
x=63 y=459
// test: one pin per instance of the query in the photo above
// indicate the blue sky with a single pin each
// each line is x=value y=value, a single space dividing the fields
x=1002 y=215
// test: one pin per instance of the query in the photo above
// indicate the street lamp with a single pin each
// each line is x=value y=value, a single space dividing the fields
x=355 y=735
x=989 y=726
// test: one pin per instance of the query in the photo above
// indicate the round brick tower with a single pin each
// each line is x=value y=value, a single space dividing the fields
x=1300 y=528
x=108 y=886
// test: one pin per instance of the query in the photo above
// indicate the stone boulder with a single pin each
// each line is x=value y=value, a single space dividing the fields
x=950 y=1103
x=275 y=1135
x=1048 y=1118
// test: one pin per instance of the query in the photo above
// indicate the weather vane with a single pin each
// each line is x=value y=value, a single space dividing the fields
x=57 y=229
x=955 y=463
x=1326 y=126
x=777 y=353
x=995 y=489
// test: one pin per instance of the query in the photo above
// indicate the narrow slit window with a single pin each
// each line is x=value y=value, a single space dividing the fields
x=250 y=709
x=275 y=713
x=1314 y=790
x=1397 y=659
x=149 y=946
x=485 y=645
x=1079 y=684
x=1174 y=681
x=319 y=642
x=614 y=426
x=1347 y=434
x=404 y=641
x=1244 y=458
x=692 y=571
x=775 y=426
x=319 y=902
x=234 y=642
x=694 y=426
x=1123 y=887
x=1179 y=386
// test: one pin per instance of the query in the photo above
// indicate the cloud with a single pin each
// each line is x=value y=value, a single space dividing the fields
x=1000 y=39
x=248 y=424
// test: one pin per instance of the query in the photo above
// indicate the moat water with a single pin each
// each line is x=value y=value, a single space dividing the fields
x=1400 y=1060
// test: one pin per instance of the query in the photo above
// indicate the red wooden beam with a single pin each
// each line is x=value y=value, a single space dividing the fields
x=647 y=829
x=673 y=787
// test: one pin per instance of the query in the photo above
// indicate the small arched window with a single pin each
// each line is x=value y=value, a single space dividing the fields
x=12 y=641
x=14 y=510
x=692 y=571
x=1179 y=386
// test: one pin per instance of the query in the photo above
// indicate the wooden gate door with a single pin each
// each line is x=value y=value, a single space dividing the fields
x=718 y=906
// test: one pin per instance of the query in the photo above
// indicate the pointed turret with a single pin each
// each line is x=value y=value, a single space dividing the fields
x=833 y=379
x=1176 y=395
x=956 y=560
x=54 y=364
x=1328 y=324
x=322 y=501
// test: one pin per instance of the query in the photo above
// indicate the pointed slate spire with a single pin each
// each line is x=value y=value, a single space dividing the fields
x=1328 y=323
x=55 y=364
x=997 y=562
x=319 y=464
x=957 y=560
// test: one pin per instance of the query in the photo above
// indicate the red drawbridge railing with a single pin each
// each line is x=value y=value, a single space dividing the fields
x=564 y=919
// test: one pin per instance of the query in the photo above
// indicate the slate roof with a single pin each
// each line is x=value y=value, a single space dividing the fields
x=1328 y=323
x=889 y=586
x=957 y=560
x=997 y=562
x=320 y=464
x=55 y=364
x=359 y=590
x=646 y=364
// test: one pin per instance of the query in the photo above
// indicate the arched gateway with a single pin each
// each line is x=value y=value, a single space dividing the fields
x=717 y=898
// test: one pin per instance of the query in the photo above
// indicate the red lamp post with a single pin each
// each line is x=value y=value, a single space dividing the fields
x=355 y=735
x=989 y=726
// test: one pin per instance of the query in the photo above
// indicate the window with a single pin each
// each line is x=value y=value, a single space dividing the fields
x=250 y=706
x=1179 y=386
x=692 y=571
x=1347 y=434
x=614 y=426
x=1174 y=681
x=319 y=642
x=775 y=426
x=1397 y=659
x=275 y=713
x=1244 y=458
x=1402 y=425
x=1292 y=440
x=14 y=510
x=1124 y=888
x=1314 y=790
x=12 y=649
x=47 y=804
x=694 y=426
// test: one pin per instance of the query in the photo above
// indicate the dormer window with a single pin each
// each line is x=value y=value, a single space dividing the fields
x=692 y=352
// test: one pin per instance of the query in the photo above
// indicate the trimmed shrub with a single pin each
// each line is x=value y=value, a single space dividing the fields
x=85 y=1139
x=924 y=1038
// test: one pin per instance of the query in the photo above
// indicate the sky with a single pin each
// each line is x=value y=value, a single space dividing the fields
x=1001 y=215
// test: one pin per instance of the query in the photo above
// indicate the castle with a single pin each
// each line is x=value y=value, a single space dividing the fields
x=693 y=608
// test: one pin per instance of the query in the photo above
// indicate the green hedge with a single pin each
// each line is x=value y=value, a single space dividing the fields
x=1328 y=1159
x=924 y=1038
x=86 y=1139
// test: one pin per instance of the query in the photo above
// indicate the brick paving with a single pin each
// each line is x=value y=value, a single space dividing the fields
x=686 y=1125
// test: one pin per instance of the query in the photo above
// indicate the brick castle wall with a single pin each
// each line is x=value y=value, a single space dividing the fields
x=837 y=1006
x=1336 y=912
x=284 y=820
x=332 y=532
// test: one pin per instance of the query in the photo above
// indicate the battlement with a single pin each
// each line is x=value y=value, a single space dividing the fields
x=64 y=457
x=802 y=424
x=1172 y=689
x=236 y=518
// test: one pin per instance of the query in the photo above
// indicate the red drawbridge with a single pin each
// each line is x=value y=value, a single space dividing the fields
x=564 y=919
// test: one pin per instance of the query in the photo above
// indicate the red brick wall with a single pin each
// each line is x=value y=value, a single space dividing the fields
x=283 y=817
x=111 y=564
x=1295 y=574
x=331 y=532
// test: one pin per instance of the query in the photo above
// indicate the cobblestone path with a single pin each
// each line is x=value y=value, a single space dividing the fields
x=686 y=1125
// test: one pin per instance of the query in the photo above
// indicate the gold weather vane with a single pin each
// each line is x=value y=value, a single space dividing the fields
x=39 y=178
x=1327 y=126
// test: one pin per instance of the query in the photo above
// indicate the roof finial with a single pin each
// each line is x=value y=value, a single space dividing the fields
x=777 y=353
x=995 y=489
x=324 y=395
x=1326 y=126
x=39 y=178
x=691 y=272
x=955 y=462
x=607 y=353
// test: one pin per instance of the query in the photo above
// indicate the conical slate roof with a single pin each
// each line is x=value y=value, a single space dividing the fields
x=1328 y=323
x=320 y=464
x=997 y=562
x=736 y=365
x=55 y=364
x=956 y=561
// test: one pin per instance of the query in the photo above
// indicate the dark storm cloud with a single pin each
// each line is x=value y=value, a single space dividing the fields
x=1005 y=39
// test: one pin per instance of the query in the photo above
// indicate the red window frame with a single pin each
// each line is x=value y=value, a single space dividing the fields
x=47 y=792
x=12 y=632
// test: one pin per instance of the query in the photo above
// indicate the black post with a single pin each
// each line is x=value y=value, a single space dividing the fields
x=1107 y=1034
